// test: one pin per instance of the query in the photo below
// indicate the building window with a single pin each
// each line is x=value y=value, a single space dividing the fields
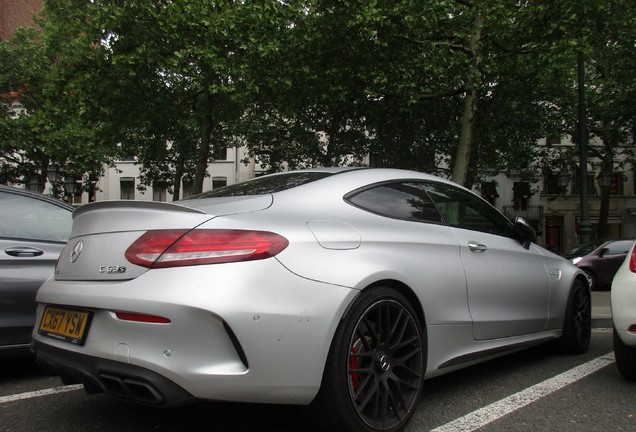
x=219 y=153
x=617 y=184
x=551 y=184
x=75 y=196
x=614 y=226
x=553 y=140
x=553 y=233
x=489 y=192
x=127 y=188
x=218 y=182
x=521 y=194
x=186 y=188
x=576 y=185
x=159 y=191
x=126 y=152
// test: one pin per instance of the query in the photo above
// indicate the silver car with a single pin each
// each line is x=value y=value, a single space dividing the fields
x=343 y=289
x=34 y=229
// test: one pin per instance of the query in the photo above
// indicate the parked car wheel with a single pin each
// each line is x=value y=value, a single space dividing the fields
x=625 y=358
x=577 y=327
x=374 y=374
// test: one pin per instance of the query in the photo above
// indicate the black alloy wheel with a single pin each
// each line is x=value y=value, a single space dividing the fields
x=577 y=327
x=376 y=365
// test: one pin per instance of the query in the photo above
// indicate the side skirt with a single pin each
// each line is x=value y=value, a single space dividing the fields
x=492 y=353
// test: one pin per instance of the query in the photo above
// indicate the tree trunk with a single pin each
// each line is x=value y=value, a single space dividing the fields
x=203 y=154
x=608 y=167
x=467 y=123
x=178 y=175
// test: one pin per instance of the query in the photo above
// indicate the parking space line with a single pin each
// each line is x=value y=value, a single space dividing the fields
x=38 y=393
x=481 y=417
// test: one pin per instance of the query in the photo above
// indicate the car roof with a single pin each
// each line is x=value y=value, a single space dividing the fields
x=36 y=195
x=338 y=180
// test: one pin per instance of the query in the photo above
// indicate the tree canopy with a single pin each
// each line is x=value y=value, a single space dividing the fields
x=458 y=87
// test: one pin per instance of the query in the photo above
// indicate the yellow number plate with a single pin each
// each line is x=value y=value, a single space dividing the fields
x=65 y=324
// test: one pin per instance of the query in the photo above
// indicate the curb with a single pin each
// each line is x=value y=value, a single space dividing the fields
x=602 y=322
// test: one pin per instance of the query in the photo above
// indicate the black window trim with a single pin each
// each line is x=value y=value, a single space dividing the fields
x=349 y=195
x=354 y=192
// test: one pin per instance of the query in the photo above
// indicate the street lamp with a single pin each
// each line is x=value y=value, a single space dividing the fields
x=71 y=188
x=563 y=180
x=605 y=181
x=54 y=176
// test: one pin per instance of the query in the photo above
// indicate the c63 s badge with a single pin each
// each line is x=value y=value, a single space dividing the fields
x=112 y=269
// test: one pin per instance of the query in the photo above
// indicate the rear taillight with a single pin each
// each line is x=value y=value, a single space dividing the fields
x=632 y=261
x=175 y=248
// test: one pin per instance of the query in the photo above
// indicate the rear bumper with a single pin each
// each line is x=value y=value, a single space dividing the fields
x=256 y=333
x=8 y=352
x=623 y=300
x=98 y=375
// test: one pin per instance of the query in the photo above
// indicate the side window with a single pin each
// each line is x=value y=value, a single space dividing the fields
x=398 y=200
x=619 y=247
x=32 y=219
x=464 y=209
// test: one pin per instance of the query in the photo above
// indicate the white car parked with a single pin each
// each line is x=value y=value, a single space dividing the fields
x=624 y=315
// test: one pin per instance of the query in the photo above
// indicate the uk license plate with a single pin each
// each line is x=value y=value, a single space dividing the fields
x=67 y=325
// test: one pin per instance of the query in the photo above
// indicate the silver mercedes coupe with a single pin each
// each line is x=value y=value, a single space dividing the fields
x=342 y=289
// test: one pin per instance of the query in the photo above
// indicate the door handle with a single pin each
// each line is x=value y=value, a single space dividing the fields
x=20 y=252
x=477 y=247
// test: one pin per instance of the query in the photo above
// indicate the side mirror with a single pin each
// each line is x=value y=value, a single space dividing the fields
x=602 y=252
x=524 y=232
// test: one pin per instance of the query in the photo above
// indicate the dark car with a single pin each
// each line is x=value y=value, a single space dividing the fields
x=34 y=228
x=600 y=259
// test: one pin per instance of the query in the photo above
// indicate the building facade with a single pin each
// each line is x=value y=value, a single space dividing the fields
x=553 y=204
x=16 y=13
x=122 y=182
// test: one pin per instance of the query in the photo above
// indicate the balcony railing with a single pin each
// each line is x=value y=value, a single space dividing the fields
x=530 y=213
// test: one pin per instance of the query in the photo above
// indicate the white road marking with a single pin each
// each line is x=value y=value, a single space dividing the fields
x=483 y=416
x=38 y=393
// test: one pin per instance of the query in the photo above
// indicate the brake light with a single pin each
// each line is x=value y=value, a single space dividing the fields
x=177 y=248
x=128 y=316
x=632 y=261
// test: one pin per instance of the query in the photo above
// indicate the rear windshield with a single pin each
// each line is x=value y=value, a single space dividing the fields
x=265 y=184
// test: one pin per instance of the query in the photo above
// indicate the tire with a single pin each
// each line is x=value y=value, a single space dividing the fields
x=577 y=326
x=375 y=369
x=625 y=358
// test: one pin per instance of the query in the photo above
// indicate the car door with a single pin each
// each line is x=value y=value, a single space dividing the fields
x=508 y=284
x=33 y=233
x=411 y=239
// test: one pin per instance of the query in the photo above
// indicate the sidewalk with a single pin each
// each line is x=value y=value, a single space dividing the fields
x=601 y=310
